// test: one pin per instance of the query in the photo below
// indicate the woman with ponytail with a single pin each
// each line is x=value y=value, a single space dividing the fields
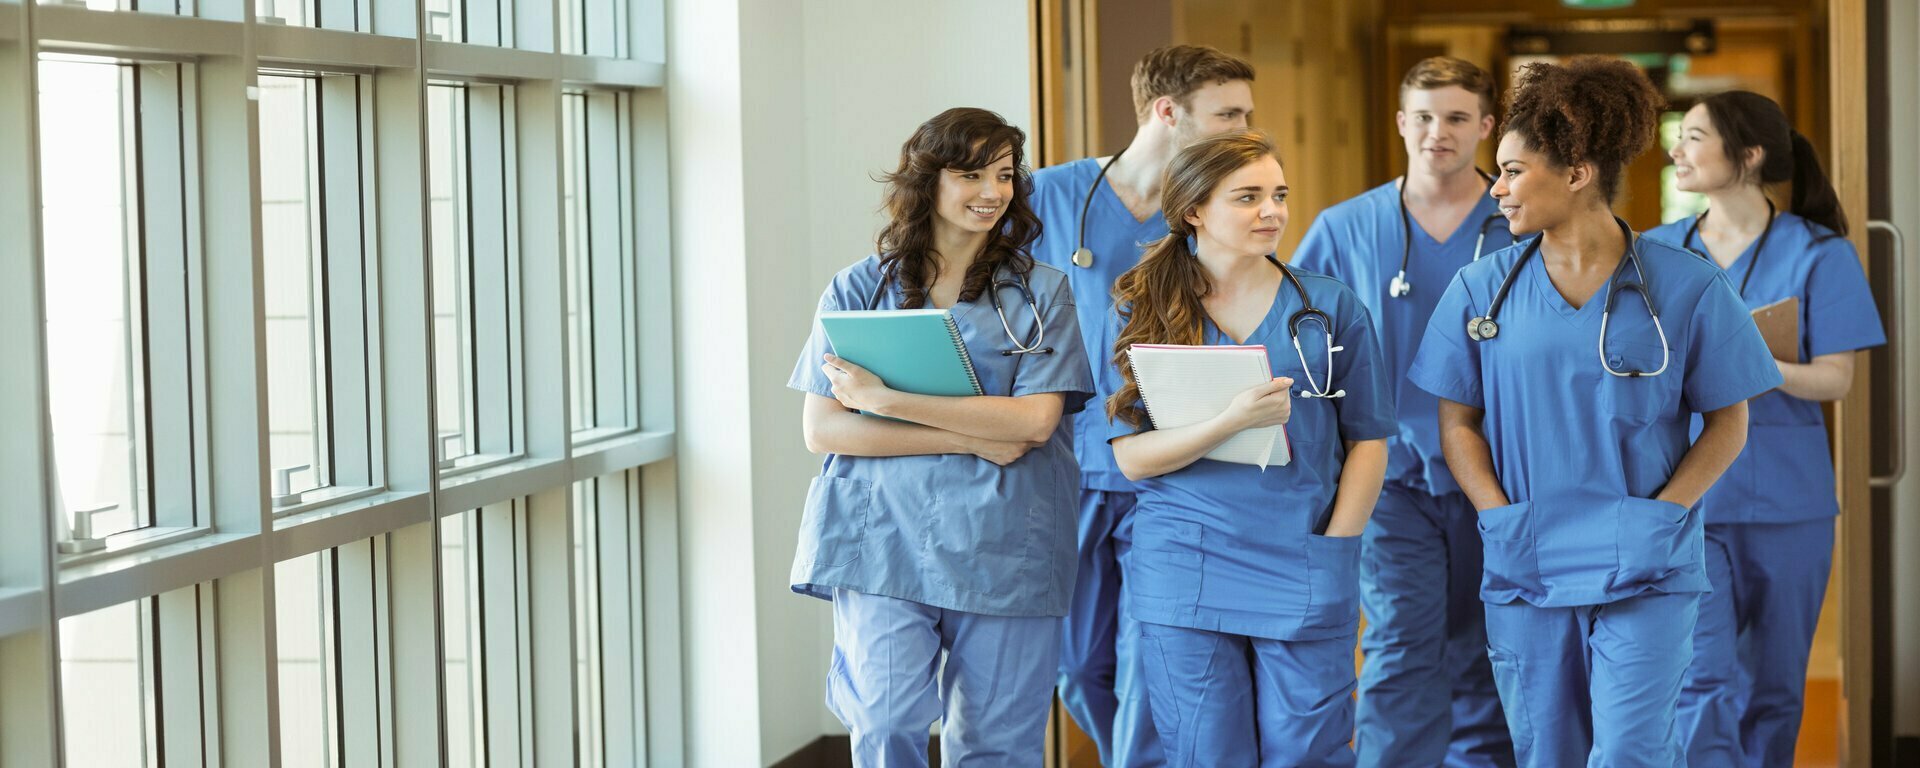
x=1244 y=579
x=1769 y=520
x=1569 y=368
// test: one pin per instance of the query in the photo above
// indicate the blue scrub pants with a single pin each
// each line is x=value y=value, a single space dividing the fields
x=1594 y=685
x=1742 y=701
x=1099 y=666
x=996 y=685
x=1232 y=700
x=1427 y=696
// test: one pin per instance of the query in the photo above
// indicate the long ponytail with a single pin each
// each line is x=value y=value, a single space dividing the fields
x=1813 y=197
x=1746 y=121
x=1159 y=300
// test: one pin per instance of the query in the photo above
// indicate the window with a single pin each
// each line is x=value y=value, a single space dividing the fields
x=108 y=669
x=313 y=268
x=116 y=295
x=475 y=272
x=308 y=662
x=600 y=262
x=594 y=28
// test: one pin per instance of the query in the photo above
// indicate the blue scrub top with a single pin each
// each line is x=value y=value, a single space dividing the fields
x=953 y=531
x=1785 y=474
x=1232 y=548
x=1359 y=242
x=1117 y=240
x=1579 y=451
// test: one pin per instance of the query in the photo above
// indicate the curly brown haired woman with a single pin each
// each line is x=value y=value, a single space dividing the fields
x=1568 y=383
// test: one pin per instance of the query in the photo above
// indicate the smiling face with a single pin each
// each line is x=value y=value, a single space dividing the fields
x=1441 y=128
x=973 y=201
x=1210 y=110
x=1700 y=162
x=1534 y=192
x=1246 y=212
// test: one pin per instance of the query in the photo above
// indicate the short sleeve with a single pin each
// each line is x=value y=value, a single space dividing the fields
x=1448 y=363
x=1319 y=251
x=1727 y=360
x=1367 y=410
x=1065 y=369
x=807 y=376
x=1839 y=315
x=1109 y=381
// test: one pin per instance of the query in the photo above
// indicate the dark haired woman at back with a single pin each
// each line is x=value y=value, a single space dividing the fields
x=1770 y=518
x=1569 y=368
x=946 y=531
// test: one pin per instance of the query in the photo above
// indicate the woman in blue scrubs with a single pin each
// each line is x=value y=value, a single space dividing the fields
x=1243 y=578
x=1770 y=518
x=945 y=532
x=1569 y=368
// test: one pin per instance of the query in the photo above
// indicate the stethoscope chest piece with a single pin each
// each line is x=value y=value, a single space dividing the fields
x=1399 y=287
x=1083 y=258
x=1482 y=328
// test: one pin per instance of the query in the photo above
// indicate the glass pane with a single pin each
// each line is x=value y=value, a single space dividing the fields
x=579 y=276
x=298 y=12
x=309 y=678
x=107 y=673
x=446 y=20
x=96 y=381
x=460 y=616
x=587 y=647
x=294 y=271
x=449 y=194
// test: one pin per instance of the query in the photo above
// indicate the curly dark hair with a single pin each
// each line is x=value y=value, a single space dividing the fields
x=1594 y=109
x=963 y=139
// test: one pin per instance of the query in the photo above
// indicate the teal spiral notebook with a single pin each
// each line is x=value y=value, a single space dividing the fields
x=912 y=350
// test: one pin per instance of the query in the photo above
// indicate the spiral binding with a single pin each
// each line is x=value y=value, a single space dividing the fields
x=965 y=359
x=1143 y=393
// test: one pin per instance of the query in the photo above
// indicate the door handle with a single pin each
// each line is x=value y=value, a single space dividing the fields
x=1897 y=352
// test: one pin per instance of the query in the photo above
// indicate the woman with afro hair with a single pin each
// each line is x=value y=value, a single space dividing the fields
x=1569 y=367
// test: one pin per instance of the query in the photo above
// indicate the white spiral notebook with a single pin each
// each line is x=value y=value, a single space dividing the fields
x=1182 y=385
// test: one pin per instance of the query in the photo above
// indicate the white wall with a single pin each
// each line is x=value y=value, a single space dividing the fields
x=782 y=112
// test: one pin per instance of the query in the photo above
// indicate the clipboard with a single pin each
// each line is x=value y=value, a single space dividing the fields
x=1779 y=325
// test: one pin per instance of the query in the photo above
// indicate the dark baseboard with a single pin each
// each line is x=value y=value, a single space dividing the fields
x=1906 y=750
x=837 y=752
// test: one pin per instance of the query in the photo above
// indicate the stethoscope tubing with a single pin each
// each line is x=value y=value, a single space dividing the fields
x=1034 y=347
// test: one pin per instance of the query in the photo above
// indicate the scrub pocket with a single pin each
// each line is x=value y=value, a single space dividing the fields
x=1638 y=399
x=835 y=520
x=1333 y=583
x=1509 y=677
x=1163 y=569
x=1655 y=539
x=985 y=550
x=1509 y=556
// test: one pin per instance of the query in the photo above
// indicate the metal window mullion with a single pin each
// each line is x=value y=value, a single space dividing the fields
x=415 y=732
x=181 y=676
x=138 y=395
x=351 y=403
x=490 y=302
x=654 y=258
x=616 y=588
x=629 y=267
x=30 y=705
x=356 y=647
x=605 y=261
x=319 y=288
x=549 y=622
x=598 y=20
x=538 y=240
x=248 y=726
x=660 y=718
x=494 y=552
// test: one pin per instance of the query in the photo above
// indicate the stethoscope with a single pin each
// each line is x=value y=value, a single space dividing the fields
x=1399 y=286
x=1082 y=255
x=1032 y=346
x=1758 y=245
x=1485 y=327
x=1308 y=312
